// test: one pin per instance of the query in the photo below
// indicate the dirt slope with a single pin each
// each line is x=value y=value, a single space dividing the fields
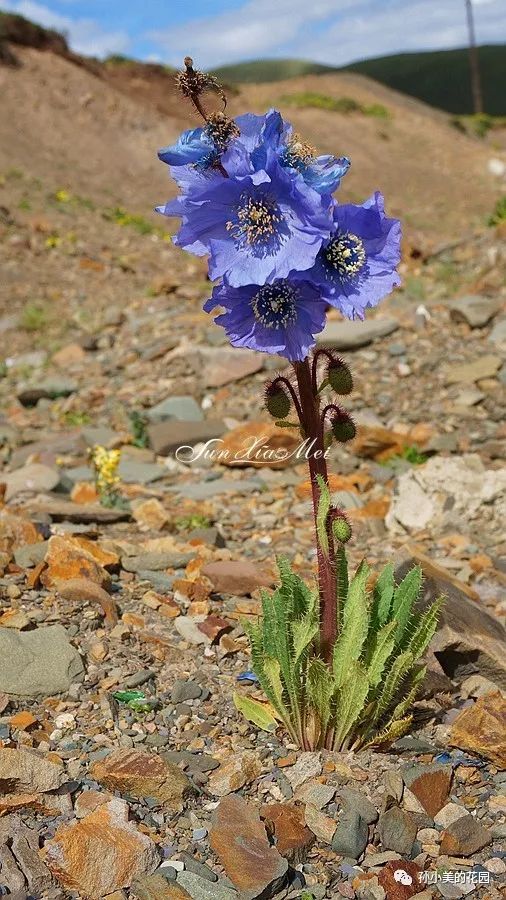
x=65 y=125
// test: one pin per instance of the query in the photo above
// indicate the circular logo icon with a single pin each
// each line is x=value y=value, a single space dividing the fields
x=402 y=876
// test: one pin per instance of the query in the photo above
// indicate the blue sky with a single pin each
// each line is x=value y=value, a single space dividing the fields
x=221 y=31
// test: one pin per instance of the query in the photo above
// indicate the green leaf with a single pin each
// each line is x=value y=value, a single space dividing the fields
x=392 y=732
x=324 y=504
x=349 y=645
x=392 y=683
x=350 y=702
x=255 y=712
x=272 y=671
x=342 y=584
x=321 y=687
x=404 y=598
x=383 y=593
x=424 y=629
x=380 y=652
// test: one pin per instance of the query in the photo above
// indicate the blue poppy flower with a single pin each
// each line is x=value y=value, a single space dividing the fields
x=255 y=228
x=281 y=317
x=356 y=267
x=264 y=136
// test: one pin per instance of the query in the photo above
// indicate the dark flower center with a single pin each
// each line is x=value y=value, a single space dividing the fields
x=275 y=305
x=258 y=222
x=345 y=255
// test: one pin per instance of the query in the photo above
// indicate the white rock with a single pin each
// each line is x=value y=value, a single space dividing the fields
x=449 y=814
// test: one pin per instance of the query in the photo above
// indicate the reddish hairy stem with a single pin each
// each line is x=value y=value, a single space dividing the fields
x=313 y=429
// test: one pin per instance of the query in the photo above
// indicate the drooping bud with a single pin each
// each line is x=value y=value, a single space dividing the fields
x=341 y=528
x=343 y=427
x=277 y=401
x=339 y=376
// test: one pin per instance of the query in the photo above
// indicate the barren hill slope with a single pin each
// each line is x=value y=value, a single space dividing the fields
x=75 y=129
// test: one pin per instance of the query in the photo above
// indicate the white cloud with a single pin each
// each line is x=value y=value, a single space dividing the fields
x=329 y=31
x=84 y=35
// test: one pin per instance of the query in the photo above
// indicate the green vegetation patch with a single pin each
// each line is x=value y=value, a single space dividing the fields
x=346 y=105
x=499 y=213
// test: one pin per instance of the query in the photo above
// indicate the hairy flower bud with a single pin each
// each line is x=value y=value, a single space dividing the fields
x=343 y=427
x=339 y=376
x=341 y=528
x=277 y=400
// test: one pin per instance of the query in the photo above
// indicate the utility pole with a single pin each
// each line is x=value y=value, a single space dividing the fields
x=474 y=62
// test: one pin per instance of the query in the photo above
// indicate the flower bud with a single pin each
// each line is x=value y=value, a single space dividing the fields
x=341 y=528
x=339 y=376
x=277 y=400
x=343 y=427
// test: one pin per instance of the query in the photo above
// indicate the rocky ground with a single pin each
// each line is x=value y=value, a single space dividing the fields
x=125 y=769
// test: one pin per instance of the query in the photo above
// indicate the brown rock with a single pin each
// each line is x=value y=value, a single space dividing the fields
x=156 y=887
x=49 y=804
x=465 y=837
x=323 y=826
x=234 y=773
x=400 y=887
x=84 y=492
x=28 y=771
x=239 y=840
x=82 y=590
x=430 y=784
x=68 y=558
x=236 y=576
x=142 y=774
x=467 y=633
x=260 y=444
x=71 y=355
x=214 y=626
x=14 y=618
x=375 y=442
x=286 y=822
x=151 y=515
x=16 y=532
x=89 y=801
x=66 y=511
x=481 y=728
x=101 y=853
x=225 y=365
x=22 y=720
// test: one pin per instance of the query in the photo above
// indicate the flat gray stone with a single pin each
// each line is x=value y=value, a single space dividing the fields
x=157 y=561
x=469 y=372
x=49 y=389
x=355 y=800
x=397 y=830
x=351 y=834
x=202 y=889
x=184 y=408
x=35 y=478
x=498 y=333
x=206 y=489
x=38 y=663
x=476 y=311
x=348 y=335
x=166 y=437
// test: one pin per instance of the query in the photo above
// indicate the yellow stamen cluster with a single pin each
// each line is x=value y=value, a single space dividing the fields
x=274 y=306
x=258 y=218
x=298 y=152
x=105 y=466
x=346 y=254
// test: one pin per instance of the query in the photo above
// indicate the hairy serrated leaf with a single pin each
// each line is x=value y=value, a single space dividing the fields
x=392 y=683
x=257 y=713
x=380 y=651
x=412 y=691
x=383 y=593
x=342 y=584
x=404 y=598
x=350 y=702
x=321 y=688
x=349 y=645
x=424 y=630
x=392 y=732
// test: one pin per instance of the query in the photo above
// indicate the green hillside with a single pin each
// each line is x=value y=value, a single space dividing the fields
x=440 y=78
x=263 y=70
